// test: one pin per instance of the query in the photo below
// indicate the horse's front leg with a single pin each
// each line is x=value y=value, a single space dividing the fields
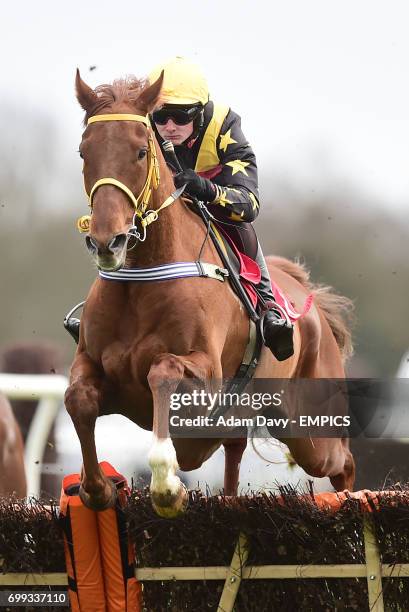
x=168 y=494
x=82 y=400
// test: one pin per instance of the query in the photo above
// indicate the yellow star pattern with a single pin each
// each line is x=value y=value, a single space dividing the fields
x=253 y=200
x=238 y=166
x=236 y=217
x=226 y=140
x=222 y=200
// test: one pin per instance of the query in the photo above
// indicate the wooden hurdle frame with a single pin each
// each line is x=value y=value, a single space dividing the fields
x=373 y=570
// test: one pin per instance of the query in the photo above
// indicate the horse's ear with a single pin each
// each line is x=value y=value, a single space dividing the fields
x=85 y=95
x=150 y=96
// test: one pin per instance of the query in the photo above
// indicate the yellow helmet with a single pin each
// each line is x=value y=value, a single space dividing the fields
x=183 y=82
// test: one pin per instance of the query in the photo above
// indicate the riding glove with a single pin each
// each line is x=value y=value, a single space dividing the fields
x=197 y=186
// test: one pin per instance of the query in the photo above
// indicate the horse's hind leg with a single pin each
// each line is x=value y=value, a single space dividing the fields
x=168 y=494
x=321 y=457
x=234 y=449
x=346 y=478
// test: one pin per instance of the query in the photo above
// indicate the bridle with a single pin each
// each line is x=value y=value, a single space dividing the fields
x=141 y=202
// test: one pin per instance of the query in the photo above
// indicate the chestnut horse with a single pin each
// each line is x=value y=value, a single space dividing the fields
x=12 y=472
x=138 y=340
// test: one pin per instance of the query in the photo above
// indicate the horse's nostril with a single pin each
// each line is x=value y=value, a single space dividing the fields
x=91 y=244
x=117 y=242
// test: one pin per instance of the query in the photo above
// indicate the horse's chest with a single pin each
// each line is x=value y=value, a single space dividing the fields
x=126 y=394
x=115 y=362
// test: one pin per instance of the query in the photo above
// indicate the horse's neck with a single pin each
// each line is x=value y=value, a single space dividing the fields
x=175 y=236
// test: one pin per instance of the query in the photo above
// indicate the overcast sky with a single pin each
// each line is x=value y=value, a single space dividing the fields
x=322 y=86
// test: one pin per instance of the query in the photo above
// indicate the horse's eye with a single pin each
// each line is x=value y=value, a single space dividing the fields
x=142 y=153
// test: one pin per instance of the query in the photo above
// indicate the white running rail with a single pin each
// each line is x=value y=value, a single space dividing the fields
x=49 y=390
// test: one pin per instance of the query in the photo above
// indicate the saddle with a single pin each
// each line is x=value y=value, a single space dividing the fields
x=237 y=245
x=237 y=250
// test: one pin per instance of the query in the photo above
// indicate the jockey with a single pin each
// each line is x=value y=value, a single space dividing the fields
x=219 y=168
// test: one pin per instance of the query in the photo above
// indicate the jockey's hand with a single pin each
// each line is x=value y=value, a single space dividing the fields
x=197 y=186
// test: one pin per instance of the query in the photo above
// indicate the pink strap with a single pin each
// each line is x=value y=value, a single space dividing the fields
x=288 y=306
x=250 y=276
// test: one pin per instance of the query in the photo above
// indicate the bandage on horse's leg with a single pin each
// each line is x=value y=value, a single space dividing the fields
x=234 y=449
x=82 y=400
x=168 y=494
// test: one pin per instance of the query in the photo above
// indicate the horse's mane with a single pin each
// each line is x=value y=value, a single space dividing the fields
x=337 y=309
x=121 y=90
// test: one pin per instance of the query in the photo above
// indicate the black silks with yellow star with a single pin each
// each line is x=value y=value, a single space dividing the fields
x=222 y=154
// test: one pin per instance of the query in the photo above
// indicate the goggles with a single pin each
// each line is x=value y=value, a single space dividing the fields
x=180 y=116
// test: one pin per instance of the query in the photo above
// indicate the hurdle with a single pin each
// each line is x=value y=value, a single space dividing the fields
x=49 y=389
x=231 y=577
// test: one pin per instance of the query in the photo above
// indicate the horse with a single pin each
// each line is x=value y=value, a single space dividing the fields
x=138 y=341
x=12 y=472
x=33 y=357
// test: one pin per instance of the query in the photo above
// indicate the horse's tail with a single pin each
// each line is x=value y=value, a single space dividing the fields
x=337 y=309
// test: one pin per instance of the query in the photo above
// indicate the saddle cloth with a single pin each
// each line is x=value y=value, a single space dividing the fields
x=249 y=274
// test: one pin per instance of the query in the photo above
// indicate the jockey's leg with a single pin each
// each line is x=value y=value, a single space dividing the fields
x=277 y=329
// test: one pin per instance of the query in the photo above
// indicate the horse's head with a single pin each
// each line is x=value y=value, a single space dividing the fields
x=119 y=159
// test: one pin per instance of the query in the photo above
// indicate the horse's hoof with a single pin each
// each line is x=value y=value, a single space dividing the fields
x=171 y=506
x=97 y=503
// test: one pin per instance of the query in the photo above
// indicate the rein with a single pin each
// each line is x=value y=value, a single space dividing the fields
x=139 y=203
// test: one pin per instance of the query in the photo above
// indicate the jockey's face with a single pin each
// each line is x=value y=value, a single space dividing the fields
x=174 y=132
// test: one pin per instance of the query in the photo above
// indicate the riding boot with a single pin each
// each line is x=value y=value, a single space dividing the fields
x=276 y=328
x=72 y=325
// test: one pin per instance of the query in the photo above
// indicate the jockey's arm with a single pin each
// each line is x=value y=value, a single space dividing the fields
x=237 y=182
x=232 y=186
x=239 y=203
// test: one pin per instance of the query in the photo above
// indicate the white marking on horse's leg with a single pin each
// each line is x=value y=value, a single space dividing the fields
x=163 y=463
